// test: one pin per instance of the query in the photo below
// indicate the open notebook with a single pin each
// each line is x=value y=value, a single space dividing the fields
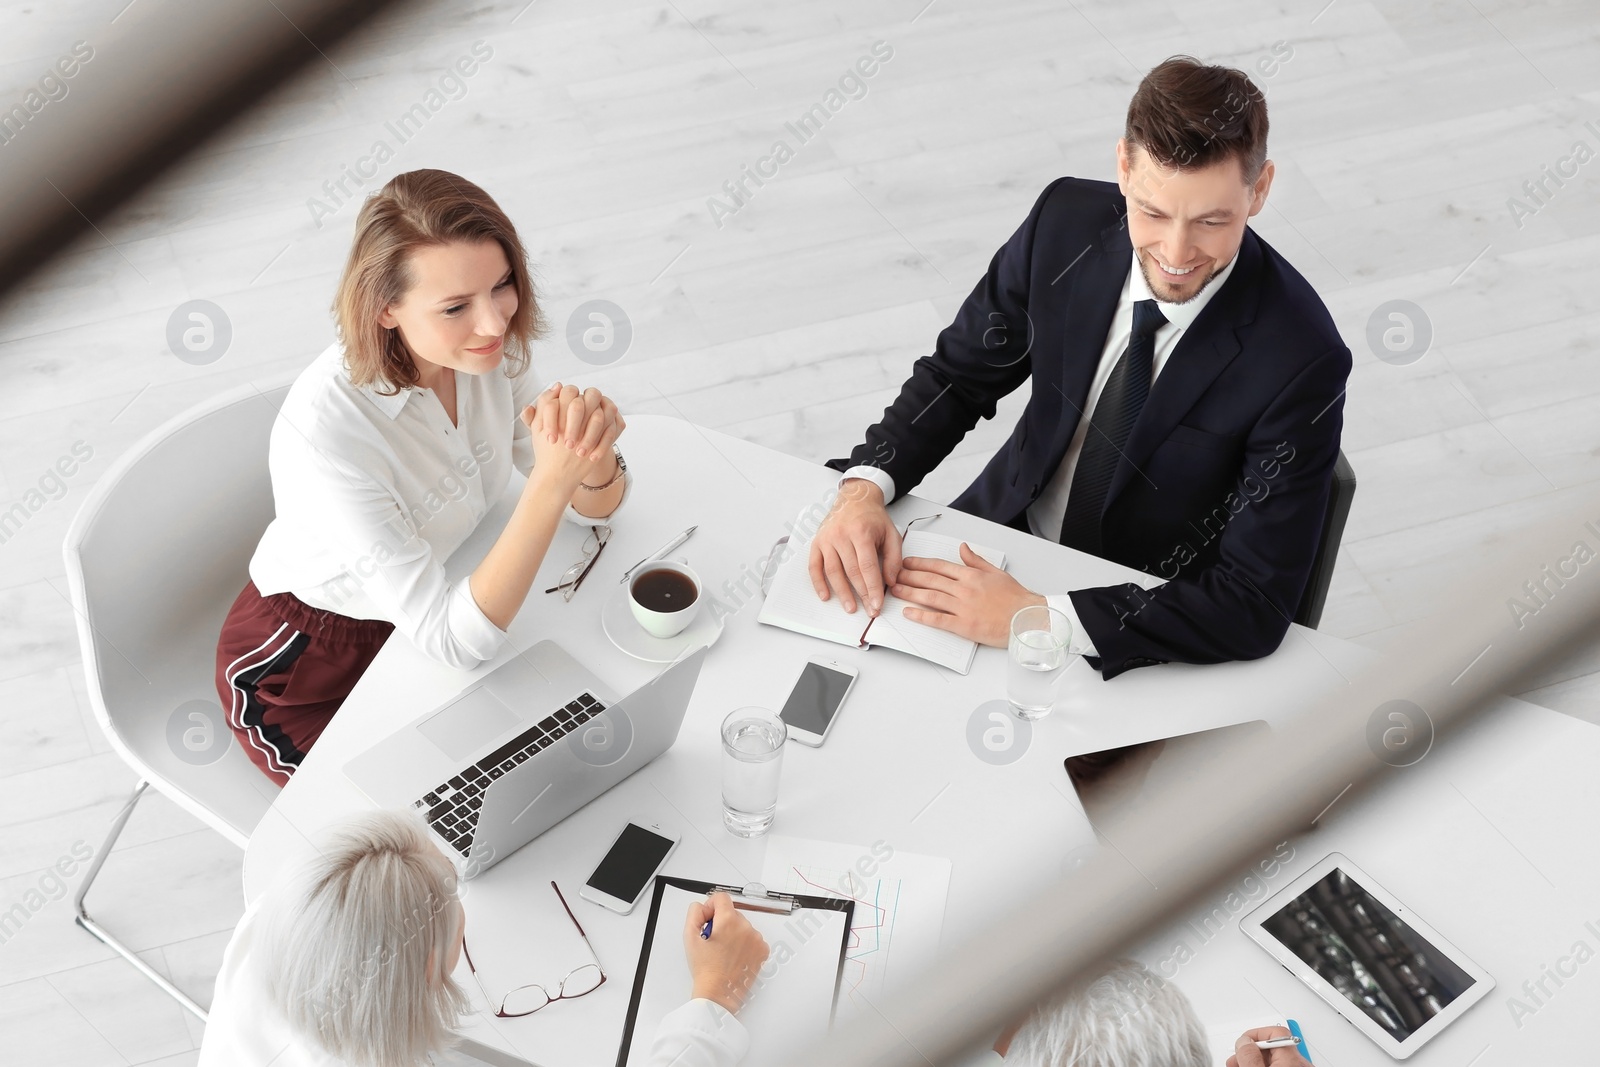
x=792 y=604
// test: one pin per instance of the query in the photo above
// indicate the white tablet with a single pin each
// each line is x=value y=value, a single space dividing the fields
x=1367 y=955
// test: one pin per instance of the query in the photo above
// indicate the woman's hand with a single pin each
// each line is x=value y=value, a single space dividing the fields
x=572 y=436
x=555 y=463
x=725 y=966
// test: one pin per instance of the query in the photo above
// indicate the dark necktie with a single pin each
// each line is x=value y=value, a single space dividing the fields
x=1114 y=415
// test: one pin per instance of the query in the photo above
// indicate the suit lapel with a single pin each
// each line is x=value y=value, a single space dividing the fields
x=1205 y=349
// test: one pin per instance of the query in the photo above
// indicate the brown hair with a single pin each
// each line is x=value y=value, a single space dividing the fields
x=419 y=209
x=1189 y=115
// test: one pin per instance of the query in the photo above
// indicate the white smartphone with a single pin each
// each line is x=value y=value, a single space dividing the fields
x=815 y=700
x=633 y=860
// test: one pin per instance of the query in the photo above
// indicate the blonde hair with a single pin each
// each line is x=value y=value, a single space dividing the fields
x=360 y=943
x=414 y=210
x=1124 y=1017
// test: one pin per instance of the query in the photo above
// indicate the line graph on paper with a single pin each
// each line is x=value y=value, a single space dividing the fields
x=900 y=900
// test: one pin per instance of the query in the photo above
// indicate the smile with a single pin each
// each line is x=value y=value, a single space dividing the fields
x=488 y=348
x=1171 y=272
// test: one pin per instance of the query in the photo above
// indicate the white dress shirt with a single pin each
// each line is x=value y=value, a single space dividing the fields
x=374 y=492
x=248 y=1029
x=1045 y=513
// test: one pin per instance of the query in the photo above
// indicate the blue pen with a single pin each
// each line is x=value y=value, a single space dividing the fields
x=1294 y=1029
x=705 y=931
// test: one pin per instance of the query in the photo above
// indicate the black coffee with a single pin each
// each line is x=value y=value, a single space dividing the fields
x=663 y=590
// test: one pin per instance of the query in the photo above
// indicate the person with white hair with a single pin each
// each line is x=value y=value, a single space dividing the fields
x=349 y=962
x=1126 y=1016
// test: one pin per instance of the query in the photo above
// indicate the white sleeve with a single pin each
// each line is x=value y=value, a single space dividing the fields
x=699 y=1034
x=1081 y=644
x=875 y=476
x=525 y=389
x=371 y=535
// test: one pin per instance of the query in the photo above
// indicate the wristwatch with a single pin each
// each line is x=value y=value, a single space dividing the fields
x=622 y=468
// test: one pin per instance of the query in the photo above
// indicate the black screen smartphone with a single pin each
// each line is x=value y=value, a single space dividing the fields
x=635 y=857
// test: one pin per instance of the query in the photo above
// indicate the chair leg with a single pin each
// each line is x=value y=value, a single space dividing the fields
x=101 y=932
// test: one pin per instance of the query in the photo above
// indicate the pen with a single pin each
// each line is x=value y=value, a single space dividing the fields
x=658 y=553
x=705 y=931
x=1294 y=1028
x=1276 y=1042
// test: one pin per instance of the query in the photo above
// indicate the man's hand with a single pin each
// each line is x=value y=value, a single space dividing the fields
x=975 y=601
x=724 y=966
x=844 y=553
x=1245 y=1053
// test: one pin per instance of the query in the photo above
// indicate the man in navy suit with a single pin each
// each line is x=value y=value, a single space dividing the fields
x=1187 y=399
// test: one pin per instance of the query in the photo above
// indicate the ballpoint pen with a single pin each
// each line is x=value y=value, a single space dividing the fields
x=658 y=553
x=705 y=930
x=1300 y=1037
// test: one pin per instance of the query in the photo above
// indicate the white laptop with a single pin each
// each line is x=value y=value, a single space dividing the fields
x=530 y=743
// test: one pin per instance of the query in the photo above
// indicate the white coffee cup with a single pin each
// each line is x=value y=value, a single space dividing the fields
x=665 y=623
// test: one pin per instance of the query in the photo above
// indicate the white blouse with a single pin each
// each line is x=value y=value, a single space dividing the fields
x=374 y=492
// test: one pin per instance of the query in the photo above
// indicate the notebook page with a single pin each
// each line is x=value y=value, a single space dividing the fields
x=792 y=603
x=893 y=630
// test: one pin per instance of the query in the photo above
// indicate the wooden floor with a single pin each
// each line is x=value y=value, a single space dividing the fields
x=1401 y=133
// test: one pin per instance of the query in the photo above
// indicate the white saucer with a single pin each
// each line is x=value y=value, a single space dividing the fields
x=616 y=618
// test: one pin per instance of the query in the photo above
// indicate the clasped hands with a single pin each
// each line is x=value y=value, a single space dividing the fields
x=573 y=433
x=975 y=601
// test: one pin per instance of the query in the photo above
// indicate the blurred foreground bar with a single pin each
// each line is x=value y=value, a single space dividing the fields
x=162 y=77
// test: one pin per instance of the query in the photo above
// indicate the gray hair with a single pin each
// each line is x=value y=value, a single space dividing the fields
x=361 y=941
x=1125 y=1017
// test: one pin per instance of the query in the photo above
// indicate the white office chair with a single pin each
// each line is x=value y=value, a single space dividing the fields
x=155 y=557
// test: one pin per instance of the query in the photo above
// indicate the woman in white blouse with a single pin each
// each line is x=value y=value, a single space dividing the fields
x=348 y=963
x=390 y=449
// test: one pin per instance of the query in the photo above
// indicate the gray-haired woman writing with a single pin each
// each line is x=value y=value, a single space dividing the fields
x=349 y=964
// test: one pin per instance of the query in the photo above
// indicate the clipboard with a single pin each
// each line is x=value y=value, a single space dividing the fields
x=783 y=918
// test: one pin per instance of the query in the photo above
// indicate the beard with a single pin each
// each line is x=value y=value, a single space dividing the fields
x=1149 y=281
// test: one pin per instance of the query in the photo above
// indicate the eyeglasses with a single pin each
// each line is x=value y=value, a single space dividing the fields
x=573 y=576
x=527 y=999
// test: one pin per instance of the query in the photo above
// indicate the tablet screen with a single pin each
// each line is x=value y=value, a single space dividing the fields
x=1369 y=954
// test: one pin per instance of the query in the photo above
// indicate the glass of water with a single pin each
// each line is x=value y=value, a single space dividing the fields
x=752 y=760
x=1038 y=653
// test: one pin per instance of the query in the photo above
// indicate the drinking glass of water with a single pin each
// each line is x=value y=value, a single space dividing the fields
x=1038 y=652
x=752 y=759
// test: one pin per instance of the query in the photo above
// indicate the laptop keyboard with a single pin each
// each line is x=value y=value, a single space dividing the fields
x=452 y=807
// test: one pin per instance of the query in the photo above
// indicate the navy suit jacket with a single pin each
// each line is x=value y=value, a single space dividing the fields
x=1227 y=472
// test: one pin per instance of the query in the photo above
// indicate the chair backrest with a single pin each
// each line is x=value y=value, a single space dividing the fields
x=155 y=557
x=1340 y=495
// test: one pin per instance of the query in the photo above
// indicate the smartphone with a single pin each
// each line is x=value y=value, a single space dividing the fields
x=815 y=700
x=633 y=860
